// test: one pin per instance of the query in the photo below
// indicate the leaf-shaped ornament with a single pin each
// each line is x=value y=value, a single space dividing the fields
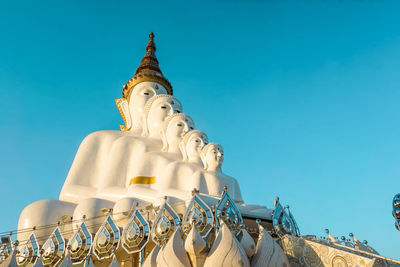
x=80 y=244
x=136 y=233
x=164 y=224
x=282 y=222
x=106 y=240
x=29 y=252
x=227 y=211
x=54 y=249
x=199 y=214
x=6 y=248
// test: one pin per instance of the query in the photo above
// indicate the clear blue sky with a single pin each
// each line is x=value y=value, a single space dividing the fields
x=303 y=95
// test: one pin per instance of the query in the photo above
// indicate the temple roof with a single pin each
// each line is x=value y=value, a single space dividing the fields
x=148 y=70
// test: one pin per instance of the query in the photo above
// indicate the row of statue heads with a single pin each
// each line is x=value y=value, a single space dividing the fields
x=149 y=112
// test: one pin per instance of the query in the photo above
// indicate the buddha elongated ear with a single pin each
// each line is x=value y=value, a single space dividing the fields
x=164 y=140
x=145 y=130
x=183 y=151
x=123 y=108
x=203 y=159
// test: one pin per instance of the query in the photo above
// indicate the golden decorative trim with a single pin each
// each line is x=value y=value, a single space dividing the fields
x=148 y=76
x=118 y=102
x=143 y=180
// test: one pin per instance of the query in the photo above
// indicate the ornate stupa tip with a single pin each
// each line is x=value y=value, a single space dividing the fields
x=148 y=71
x=149 y=61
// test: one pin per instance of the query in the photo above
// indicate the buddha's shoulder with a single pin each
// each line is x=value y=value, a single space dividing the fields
x=118 y=139
x=102 y=135
x=228 y=177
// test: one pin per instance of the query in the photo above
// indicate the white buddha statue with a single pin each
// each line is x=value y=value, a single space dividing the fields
x=214 y=179
x=103 y=154
x=156 y=153
x=92 y=161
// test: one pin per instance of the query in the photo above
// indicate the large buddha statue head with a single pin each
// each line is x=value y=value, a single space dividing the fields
x=212 y=156
x=175 y=127
x=147 y=82
x=192 y=144
x=132 y=110
x=157 y=109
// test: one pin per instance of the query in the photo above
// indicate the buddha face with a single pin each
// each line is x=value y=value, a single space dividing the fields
x=177 y=127
x=159 y=110
x=140 y=95
x=195 y=144
x=214 y=156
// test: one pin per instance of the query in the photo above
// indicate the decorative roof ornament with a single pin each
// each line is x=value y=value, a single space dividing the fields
x=29 y=252
x=54 y=249
x=198 y=214
x=396 y=210
x=148 y=70
x=283 y=223
x=6 y=248
x=136 y=233
x=80 y=244
x=106 y=240
x=228 y=212
x=164 y=224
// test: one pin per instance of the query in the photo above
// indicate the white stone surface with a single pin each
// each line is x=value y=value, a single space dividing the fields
x=268 y=252
x=226 y=251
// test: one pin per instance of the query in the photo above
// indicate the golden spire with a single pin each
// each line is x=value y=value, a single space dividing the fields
x=148 y=70
x=149 y=61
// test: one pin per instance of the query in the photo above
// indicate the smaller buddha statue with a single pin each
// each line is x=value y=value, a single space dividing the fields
x=214 y=179
x=154 y=163
x=175 y=179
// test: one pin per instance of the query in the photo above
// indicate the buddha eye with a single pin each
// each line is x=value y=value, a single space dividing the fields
x=163 y=107
x=191 y=128
x=172 y=102
x=197 y=141
x=179 y=124
x=146 y=93
x=178 y=111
